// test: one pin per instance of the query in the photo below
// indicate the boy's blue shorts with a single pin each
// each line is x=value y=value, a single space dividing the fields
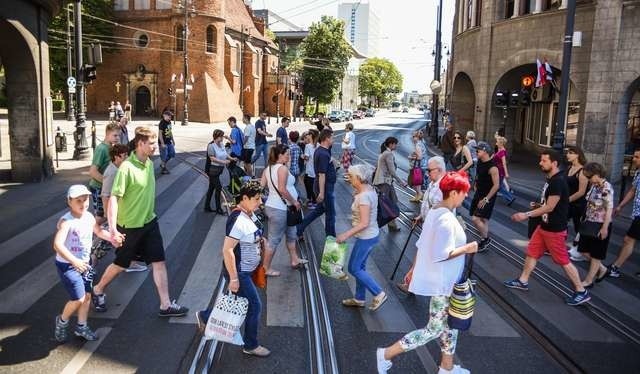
x=74 y=283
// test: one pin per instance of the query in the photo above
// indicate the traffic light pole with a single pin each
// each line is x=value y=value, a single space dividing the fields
x=70 y=109
x=436 y=76
x=81 y=149
x=558 y=138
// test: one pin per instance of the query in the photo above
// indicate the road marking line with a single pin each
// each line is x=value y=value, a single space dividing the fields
x=83 y=355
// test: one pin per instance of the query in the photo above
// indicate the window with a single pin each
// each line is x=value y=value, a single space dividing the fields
x=164 y=4
x=256 y=64
x=141 y=4
x=179 y=38
x=509 y=8
x=140 y=39
x=573 y=122
x=238 y=58
x=212 y=39
x=121 y=5
x=478 y=13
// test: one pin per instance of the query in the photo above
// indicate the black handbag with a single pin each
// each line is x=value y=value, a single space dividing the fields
x=294 y=215
x=590 y=229
x=387 y=210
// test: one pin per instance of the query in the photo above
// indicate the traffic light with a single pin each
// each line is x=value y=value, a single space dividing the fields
x=514 y=99
x=501 y=98
x=525 y=97
x=89 y=73
x=170 y=91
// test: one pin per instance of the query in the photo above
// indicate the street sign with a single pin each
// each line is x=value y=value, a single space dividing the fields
x=72 y=90
x=179 y=90
x=71 y=82
x=189 y=87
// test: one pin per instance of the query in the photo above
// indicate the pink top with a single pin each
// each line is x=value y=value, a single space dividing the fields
x=497 y=159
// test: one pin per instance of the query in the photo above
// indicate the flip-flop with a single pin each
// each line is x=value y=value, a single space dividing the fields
x=300 y=264
x=272 y=273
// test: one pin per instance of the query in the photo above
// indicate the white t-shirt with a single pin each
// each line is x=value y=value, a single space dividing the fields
x=369 y=198
x=107 y=179
x=433 y=274
x=250 y=136
x=350 y=138
x=431 y=198
x=309 y=150
x=80 y=236
x=246 y=232
x=274 y=200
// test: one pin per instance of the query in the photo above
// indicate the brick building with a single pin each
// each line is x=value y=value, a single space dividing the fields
x=497 y=42
x=229 y=58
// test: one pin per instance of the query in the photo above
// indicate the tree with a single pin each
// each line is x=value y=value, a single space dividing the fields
x=100 y=32
x=325 y=55
x=379 y=78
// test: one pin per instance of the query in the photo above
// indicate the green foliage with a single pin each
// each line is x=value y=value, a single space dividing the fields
x=57 y=37
x=325 y=55
x=58 y=105
x=270 y=34
x=379 y=78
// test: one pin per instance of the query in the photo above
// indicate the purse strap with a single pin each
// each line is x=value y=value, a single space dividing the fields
x=276 y=188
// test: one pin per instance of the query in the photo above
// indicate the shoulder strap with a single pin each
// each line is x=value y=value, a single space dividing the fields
x=275 y=187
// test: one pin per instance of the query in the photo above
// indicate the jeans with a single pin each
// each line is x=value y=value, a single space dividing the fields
x=167 y=152
x=308 y=186
x=252 y=320
x=506 y=194
x=328 y=208
x=358 y=267
x=261 y=149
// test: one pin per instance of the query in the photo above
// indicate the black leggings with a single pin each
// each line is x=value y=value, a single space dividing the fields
x=214 y=186
x=308 y=186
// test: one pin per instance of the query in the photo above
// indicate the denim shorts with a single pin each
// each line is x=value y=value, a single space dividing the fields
x=76 y=284
x=168 y=152
x=278 y=228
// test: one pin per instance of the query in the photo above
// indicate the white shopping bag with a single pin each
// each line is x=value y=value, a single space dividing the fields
x=226 y=318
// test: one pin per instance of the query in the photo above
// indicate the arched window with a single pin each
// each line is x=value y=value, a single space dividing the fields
x=212 y=38
x=179 y=38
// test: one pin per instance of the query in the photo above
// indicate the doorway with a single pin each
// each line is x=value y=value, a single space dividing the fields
x=143 y=101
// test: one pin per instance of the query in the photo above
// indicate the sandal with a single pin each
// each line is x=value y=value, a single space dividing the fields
x=272 y=273
x=300 y=265
x=377 y=302
x=353 y=302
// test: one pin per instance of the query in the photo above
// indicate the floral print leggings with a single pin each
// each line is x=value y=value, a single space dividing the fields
x=436 y=328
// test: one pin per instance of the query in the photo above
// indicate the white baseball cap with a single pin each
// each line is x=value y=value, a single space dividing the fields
x=77 y=190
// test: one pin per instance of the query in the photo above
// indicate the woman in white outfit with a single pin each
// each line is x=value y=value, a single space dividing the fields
x=438 y=265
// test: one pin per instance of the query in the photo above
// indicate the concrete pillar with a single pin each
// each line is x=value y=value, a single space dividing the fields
x=460 y=15
x=474 y=13
x=465 y=12
x=516 y=8
x=538 y=7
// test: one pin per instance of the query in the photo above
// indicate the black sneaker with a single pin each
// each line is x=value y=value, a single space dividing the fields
x=99 y=302
x=483 y=245
x=614 y=271
x=174 y=310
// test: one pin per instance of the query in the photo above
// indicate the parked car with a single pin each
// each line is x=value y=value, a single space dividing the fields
x=336 y=116
x=358 y=114
x=370 y=113
x=347 y=115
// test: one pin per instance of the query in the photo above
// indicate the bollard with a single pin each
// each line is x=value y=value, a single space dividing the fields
x=93 y=135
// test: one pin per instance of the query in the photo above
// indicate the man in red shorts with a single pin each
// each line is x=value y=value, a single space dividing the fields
x=551 y=234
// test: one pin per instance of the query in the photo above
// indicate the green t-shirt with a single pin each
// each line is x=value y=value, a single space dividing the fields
x=135 y=185
x=101 y=160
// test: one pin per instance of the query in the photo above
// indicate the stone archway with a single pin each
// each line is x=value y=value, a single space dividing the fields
x=627 y=130
x=463 y=102
x=25 y=58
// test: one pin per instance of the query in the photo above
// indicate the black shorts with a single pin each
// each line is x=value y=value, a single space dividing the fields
x=595 y=247
x=246 y=155
x=486 y=211
x=140 y=243
x=634 y=229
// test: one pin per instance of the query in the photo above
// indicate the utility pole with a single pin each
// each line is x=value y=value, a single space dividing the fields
x=70 y=110
x=242 y=68
x=81 y=149
x=185 y=37
x=278 y=82
x=558 y=137
x=436 y=76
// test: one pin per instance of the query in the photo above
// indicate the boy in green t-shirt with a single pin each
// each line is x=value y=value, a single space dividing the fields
x=99 y=164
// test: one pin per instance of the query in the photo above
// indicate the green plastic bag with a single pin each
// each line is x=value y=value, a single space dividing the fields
x=333 y=259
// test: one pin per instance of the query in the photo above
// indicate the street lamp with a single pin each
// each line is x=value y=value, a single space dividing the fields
x=81 y=148
x=185 y=36
x=436 y=76
x=558 y=137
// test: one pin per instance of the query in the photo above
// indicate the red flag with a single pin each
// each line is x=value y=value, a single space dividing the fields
x=541 y=77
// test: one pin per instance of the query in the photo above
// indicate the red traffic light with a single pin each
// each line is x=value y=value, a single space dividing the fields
x=527 y=81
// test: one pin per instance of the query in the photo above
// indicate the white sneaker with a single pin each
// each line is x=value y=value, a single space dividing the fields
x=135 y=267
x=575 y=255
x=383 y=365
x=457 y=369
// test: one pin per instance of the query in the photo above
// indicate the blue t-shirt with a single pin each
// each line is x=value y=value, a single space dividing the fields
x=281 y=134
x=322 y=164
x=260 y=139
x=238 y=137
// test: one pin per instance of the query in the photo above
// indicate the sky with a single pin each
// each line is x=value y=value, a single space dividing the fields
x=408 y=30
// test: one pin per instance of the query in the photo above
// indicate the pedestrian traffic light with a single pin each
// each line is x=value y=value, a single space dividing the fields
x=501 y=98
x=525 y=97
x=89 y=73
x=514 y=99
x=170 y=91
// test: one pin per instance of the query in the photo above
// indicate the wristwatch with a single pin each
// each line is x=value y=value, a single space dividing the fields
x=486 y=200
x=528 y=214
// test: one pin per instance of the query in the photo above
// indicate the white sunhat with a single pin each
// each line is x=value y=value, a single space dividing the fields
x=77 y=190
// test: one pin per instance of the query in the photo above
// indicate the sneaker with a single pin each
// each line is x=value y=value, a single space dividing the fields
x=483 y=246
x=575 y=255
x=614 y=271
x=457 y=369
x=515 y=283
x=377 y=301
x=85 y=333
x=61 y=333
x=136 y=267
x=353 y=302
x=174 y=310
x=164 y=171
x=578 y=298
x=99 y=302
x=259 y=351
x=382 y=364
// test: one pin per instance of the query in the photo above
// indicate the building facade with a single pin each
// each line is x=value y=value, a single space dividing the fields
x=497 y=43
x=228 y=58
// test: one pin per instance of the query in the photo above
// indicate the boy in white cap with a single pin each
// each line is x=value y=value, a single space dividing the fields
x=72 y=244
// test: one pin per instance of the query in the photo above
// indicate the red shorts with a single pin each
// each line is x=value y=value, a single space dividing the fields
x=554 y=242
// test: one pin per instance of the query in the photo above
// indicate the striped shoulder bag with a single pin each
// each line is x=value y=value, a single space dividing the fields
x=462 y=300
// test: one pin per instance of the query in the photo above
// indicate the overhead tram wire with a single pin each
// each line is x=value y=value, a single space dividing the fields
x=305 y=11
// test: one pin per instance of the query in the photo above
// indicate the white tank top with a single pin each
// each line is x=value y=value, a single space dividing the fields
x=274 y=200
x=80 y=236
